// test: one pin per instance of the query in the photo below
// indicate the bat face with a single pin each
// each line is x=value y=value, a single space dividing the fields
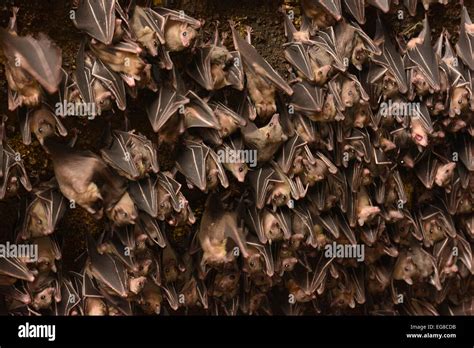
x=123 y=212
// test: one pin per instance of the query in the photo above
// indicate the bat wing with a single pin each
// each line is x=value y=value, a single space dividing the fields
x=465 y=44
x=118 y=156
x=425 y=168
x=107 y=269
x=144 y=195
x=168 y=102
x=356 y=8
x=41 y=58
x=179 y=16
x=83 y=75
x=192 y=164
x=255 y=62
x=221 y=174
x=232 y=231
x=283 y=216
x=13 y=267
x=112 y=81
x=328 y=224
x=288 y=152
x=297 y=55
x=383 y=5
x=199 y=114
x=260 y=181
x=423 y=56
x=465 y=147
x=307 y=99
x=235 y=73
x=200 y=68
x=254 y=222
x=411 y=6
x=153 y=230
x=97 y=19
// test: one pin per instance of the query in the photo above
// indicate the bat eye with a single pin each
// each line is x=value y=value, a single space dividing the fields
x=40 y=130
x=124 y=214
x=185 y=33
x=241 y=169
x=39 y=222
x=232 y=277
x=460 y=101
x=252 y=264
x=350 y=93
x=167 y=270
x=155 y=43
x=271 y=124
x=43 y=297
x=320 y=73
x=287 y=265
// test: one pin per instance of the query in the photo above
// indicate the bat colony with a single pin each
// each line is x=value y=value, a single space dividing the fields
x=336 y=146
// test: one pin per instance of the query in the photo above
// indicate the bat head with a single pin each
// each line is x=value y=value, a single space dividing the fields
x=43 y=299
x=123 y=212
x=187 y=34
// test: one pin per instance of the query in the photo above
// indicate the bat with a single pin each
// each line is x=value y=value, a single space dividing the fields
x=308 y=100
x=84 y=178
x=97 y=19
x=39 y=59
x=148 y=26
x=44 y=212
x=322 y=13
x=48 y=253
x=262 y=79
x=165 y=106
x=42 y=122
x=70 y=299
x=180 y=29
x=107 y=269
x=269 y=226
x=131 y=154
x=217 y=228
x=111 y=81
x=391 y=62
x=197 y=113
x=201 y=167
x=421 y=60
x=12 y=172
x=465 y=145
x=236 y=164
x=266 y=140
x=215 y=67
x=465 y=44
x=43 y=291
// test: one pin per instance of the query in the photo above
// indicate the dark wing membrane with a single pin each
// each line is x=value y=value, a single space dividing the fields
x=112 y=81
x=200 y=68
x=465 y=44
x=118 y=155
x=200 y=115
x=307 y=98
x=13 y=267
x=97 y=19
x=296 y=55
x=164 y=107
x=255 y=62
x=144 y=194
x=192 y=164
x=357 y=9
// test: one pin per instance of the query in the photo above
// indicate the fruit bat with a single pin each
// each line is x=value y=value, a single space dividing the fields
x=148 y=27
x=43 y=291
x=131 y=154
x=122 y=58
x=217 y=228
x=29 y=61
x=465 y=44
x=43 y=212
x=307 y=99
x=164 y=107
x=262 y=79
x=201 y=166
x=70 y=298
x=42 y=122
x=420 y=59
x=48 y=253
x=269 y=226
x=97 y=19
x=12 y=172
x=239 y=167
x=85 y=178
x=107 y=269
x=391 y=64
x=260 y=258
x=180 y=29
x=215 y=67
x=197 y=113
x=269 y=187
x=112 y=81
x=322 y=13
x=266 y=140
